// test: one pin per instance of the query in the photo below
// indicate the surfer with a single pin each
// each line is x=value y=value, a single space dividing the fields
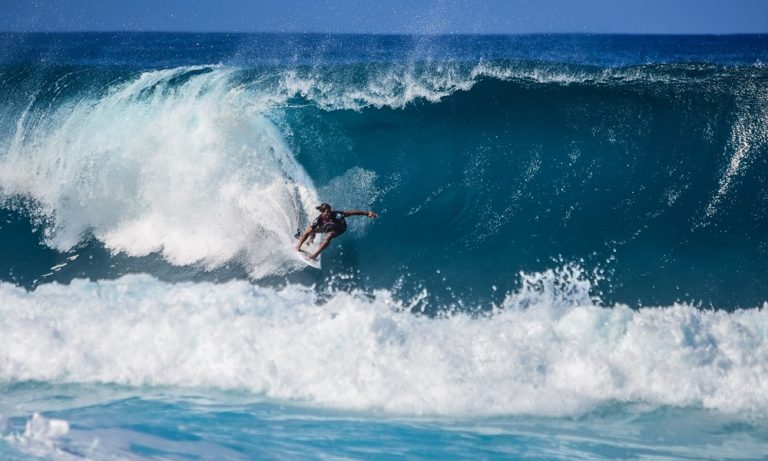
x=331 y=223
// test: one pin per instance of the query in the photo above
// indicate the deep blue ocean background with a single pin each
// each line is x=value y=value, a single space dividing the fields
x=570 y=262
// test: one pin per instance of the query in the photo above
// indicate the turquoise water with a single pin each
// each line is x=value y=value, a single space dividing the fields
x=569 y=261
x=126 y=423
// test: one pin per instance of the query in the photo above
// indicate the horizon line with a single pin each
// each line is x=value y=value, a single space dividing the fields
x=383 y=34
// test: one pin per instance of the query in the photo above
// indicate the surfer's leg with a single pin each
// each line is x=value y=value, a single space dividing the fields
x=308 y=234
x=323 y=245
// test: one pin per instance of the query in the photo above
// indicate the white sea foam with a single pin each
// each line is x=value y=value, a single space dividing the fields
x=192 y=170
x=41 y=438
x=44 y=429
x=397 y=86
x=393 y=87
x=548 y=349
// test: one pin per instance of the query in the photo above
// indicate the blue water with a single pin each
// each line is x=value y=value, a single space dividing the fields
x=169 y=425
x=569 y=263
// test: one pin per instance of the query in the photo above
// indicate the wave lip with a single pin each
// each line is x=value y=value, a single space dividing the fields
x=541 y=352
x=397 y=85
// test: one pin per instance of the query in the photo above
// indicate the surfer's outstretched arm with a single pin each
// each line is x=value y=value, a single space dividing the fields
x=370 y=214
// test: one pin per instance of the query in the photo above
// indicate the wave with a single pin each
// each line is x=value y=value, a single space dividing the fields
x=169 y=162
x=213 y=165
x=548 y=348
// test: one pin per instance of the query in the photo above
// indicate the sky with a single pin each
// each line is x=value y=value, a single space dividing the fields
x=390 y=16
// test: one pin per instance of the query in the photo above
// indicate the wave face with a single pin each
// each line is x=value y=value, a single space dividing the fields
x=197 y=157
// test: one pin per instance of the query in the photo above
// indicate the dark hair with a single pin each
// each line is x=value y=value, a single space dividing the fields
x=323 y=207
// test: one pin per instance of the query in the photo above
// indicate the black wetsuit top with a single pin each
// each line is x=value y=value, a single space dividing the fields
x=335 y=223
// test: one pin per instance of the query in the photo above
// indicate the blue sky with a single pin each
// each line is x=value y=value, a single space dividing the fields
x=390 y=16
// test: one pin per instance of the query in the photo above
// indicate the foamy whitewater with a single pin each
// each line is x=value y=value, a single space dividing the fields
x=570 y=260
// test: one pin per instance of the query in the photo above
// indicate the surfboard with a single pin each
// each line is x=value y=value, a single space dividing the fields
x=309 y=247
x=307 y=250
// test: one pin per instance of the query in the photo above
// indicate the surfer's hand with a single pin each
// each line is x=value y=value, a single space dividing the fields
x=372 y=215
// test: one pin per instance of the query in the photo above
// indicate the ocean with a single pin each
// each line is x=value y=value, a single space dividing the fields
x=570 y=259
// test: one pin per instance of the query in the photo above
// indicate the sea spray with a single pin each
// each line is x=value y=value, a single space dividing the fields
x=548 y=349
x=143 y=168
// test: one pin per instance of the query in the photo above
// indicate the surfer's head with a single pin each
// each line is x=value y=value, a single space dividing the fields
x=323 y=208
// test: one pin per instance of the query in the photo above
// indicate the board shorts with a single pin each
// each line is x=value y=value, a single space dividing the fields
x=338 y=229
